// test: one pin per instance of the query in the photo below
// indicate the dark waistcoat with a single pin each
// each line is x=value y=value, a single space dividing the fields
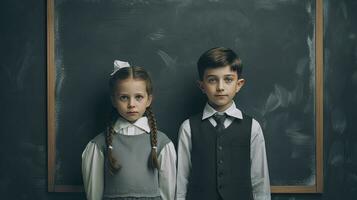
x=220 y=160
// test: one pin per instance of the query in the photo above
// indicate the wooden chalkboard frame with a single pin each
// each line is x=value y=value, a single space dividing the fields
x=317 y=188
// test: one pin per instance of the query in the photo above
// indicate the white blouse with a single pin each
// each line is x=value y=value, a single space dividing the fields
x=93 y=162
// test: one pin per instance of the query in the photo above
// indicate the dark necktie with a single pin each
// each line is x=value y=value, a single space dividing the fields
x=220 y=121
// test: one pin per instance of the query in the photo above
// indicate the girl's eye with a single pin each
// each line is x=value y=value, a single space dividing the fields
x=139 y=97
x=123 y=98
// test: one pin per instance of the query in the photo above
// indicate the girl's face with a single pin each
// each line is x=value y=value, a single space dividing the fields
x=131 y=99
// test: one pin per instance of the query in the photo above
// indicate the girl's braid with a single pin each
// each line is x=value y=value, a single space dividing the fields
x=153 y=137
x=114 y=166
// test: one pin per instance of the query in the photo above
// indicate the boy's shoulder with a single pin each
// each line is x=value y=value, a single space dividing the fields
x=186 y=122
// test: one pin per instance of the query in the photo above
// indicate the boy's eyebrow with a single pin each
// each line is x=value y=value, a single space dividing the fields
x=211 y=75
x=215 y=76
x=229 y=75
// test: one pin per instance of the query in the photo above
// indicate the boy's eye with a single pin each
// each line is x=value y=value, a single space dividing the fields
x=211 y=80
x=123 y=98
x=228 y=80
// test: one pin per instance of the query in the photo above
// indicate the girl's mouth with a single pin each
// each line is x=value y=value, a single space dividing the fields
x=132 y=113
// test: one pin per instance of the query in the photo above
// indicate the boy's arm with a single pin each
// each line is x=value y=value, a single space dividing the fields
x=167 y=173
x=183 y=159
x=259 y=165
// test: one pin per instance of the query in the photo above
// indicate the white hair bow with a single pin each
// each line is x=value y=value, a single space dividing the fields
x=118 y=65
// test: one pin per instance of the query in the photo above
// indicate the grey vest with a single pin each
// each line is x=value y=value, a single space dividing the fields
x=135 y=178
x=220 y=160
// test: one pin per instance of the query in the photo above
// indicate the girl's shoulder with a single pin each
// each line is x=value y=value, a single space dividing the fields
x=163 y=138
x=99 y=140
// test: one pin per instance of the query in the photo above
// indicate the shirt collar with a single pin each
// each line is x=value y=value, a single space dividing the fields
x=232 y=111
x=141 y=123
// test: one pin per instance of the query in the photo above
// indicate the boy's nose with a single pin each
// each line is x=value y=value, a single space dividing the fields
x=220 y=86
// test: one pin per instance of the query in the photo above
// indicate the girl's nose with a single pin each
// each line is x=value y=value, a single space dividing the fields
x=131 y=103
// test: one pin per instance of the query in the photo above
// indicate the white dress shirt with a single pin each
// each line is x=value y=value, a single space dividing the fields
x=93 y=162
x=259 y=166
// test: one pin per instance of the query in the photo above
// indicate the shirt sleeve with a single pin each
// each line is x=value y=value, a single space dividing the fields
x=167 y=173
x=183 y=159
x=93 y=171
x=259 y=165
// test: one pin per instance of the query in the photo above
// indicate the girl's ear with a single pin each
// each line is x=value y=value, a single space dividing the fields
x=201 y=86
x=240 y=83
x=148 y=103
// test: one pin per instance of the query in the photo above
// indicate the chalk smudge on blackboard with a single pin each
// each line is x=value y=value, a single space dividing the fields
x=302 y=142
x=170 y=62
x=338 y=120
x=354 y=77
x=311 y=44
x=281 y=97
x=337 y=152
x=310 y=106
x=158 y=35
x=311 y=180
x=25 y=64
x=344 y=9
x=297 y=136
x=60 y=73
x=271 y=4
x=278 y=98
x=93 y=1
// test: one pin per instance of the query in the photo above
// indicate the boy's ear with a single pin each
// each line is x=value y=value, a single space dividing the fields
x=240 y=84
x=150 y=97
x=200 y=85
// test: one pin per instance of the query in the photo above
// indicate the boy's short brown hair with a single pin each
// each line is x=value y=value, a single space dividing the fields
x=219 y=57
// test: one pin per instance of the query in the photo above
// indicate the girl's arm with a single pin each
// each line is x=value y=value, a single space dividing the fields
x=93 y=171
x=167 y=173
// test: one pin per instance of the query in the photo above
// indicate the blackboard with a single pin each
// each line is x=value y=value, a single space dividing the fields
x=275 y=39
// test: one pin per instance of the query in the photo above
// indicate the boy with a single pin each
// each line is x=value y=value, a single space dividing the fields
x=221 y=152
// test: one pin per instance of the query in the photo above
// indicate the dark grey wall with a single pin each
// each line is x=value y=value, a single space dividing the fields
x=23 y=143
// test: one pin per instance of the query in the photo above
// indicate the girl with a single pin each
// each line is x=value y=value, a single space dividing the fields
x=131 y=159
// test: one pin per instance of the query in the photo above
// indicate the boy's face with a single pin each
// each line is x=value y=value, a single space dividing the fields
x=220 y=85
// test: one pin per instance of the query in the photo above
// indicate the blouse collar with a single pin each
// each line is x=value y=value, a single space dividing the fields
x=122 y=124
